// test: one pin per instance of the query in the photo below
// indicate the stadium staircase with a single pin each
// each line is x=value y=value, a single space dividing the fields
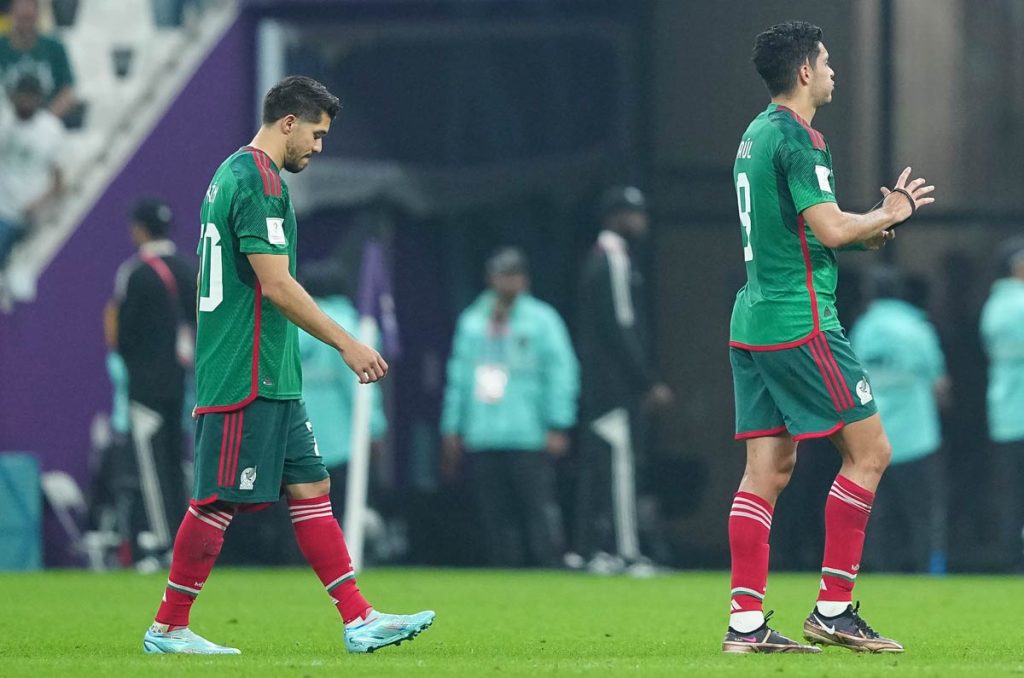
x=128 y=72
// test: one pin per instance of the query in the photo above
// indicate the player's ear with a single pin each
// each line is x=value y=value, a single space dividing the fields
x=287 y=123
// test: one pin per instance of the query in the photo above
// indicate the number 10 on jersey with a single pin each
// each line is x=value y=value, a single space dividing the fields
x=743 y=201
x=211 y=270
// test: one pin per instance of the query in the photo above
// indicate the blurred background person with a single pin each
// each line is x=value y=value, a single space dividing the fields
x=619 y=381
x=901 y=352
x=510 y=400
x=328 y=386
x=31 y=140
x=1002 y=332
x=23 y=51
x=151 y=323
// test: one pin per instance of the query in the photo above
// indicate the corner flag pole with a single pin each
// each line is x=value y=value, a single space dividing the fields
x=374 y=299
x=359 y=461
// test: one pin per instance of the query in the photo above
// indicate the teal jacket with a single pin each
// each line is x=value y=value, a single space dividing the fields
x=900 y=351
x=542 y=377
x=328 y=388
x=1002 y=332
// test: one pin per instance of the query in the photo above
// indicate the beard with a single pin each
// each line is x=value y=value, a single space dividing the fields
x=296 y=165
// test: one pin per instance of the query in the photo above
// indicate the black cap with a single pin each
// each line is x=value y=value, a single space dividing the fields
x=154 y=213
x=885 y=282
x=1009 y=254
x=622 y=199
x=27 y=84
x=508 y=261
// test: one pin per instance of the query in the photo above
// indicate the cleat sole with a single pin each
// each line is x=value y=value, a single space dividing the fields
x=398 y=641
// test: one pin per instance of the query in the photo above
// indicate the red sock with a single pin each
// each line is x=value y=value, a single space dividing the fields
x=750 y=523
x=846 y=515
x=322 y=543
x=196 y=548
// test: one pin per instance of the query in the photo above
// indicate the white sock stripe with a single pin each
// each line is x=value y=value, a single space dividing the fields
x=748 y=504
x=847 y=501
x=218 y=516
x=845 y=492
x=208 y=521
x=838 y=573
x=311 y=507
x=223 y=515
x=347 y=575
x=742 y=591
x=752 y=516
x=325 y=514
x=852 y=501
x=183 y=588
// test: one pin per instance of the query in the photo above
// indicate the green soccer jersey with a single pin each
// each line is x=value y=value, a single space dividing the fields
x=245 y=347
x=783 y=166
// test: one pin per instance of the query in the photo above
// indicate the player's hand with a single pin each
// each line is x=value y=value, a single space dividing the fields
x=877 y=242
x=906 y=196
x=558 y=444
x=368 y=365
x=659 y=398
x=451 y=457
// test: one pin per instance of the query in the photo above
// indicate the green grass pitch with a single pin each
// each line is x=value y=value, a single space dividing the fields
x=499 y=623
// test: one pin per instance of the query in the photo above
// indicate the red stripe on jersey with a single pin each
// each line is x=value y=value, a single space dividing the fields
x=271 y=179
x=257 y=158
x=826 y=375
x=817 y=138
x=844 y=390
x=801 y=227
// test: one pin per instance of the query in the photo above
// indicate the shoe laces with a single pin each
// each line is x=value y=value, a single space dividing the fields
x=862 y=625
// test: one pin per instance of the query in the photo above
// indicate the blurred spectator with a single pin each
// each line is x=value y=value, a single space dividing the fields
x=1002 y=332
x=30 y=142
x=5 y=16
x=618 y=379
x=25 y=52
x=901 y=352
x=510 y=399
x=328 y=386
x=150 y=322
x=170 y=13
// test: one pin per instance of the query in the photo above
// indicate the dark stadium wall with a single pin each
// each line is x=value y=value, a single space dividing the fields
x=52 y=351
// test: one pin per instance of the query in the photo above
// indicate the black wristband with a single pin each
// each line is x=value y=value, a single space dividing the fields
x=910 y=199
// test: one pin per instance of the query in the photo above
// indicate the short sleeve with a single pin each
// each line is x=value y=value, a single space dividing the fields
x=808 y=173
x=62 y=76
x=258 y=220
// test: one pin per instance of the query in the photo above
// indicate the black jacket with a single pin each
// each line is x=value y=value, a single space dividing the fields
x=612 y=330
x=148 y=317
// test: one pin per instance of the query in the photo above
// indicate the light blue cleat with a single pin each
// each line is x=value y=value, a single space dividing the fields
x=386 y=629
x=181 y=641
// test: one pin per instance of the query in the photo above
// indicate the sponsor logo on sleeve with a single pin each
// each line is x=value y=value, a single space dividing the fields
x=275 y=231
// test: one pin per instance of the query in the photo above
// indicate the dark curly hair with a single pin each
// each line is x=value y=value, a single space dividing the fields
x=780 y=51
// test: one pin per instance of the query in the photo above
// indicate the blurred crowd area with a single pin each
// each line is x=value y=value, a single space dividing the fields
x=71 y=84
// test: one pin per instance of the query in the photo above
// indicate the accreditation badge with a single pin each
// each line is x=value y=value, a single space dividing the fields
x=491 y=381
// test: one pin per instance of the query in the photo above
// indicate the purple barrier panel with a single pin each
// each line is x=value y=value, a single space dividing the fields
x=52 y=374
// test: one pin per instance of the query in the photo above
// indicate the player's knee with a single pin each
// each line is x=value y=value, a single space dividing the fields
x=884 y=455
x=878 y=458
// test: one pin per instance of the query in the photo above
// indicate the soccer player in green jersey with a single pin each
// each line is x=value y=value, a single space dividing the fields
x=794 y=373
x=254 y=441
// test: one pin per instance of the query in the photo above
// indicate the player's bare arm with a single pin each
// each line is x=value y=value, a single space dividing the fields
x=294 y=302
x=836 y=228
